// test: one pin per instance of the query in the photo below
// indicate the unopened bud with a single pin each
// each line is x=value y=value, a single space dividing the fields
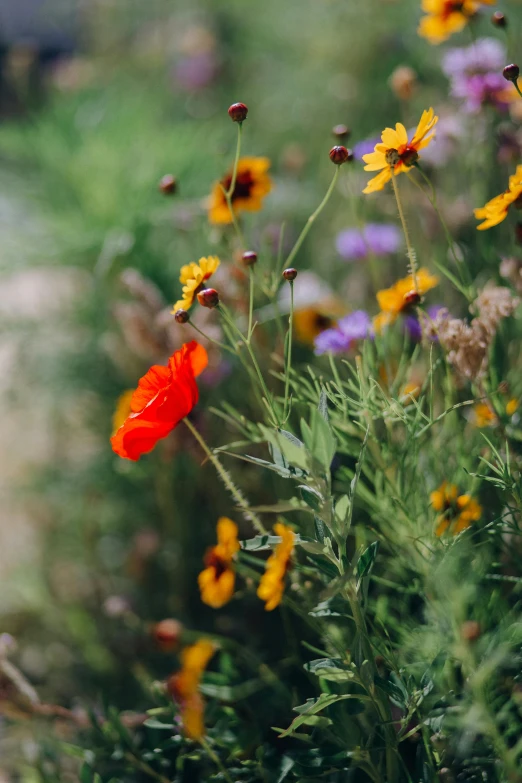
x=209 y=297
x=511 y=72
x=409 y=156
x=168 y=185
x=181 y=316
x=167 y=634
x=470 y=630
x=340 y=155
x=238 y=112
x=341 y=132
x=249 y=258
x=499 y=19
x=403 y=82
x=290 y=274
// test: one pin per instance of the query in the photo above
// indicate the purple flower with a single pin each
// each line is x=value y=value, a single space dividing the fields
x=486 y=54
x=364 y=147
x=475 y=74
x=412 y=325
x=341 y=338
x=378 y=239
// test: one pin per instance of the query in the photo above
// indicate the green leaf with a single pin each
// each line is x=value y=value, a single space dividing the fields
x=331 y=669
x=367 y=559
x=286 y=451
x=259 y=543
x=313 y=707
x=311 y=497
x=152 y=723
x=323 y=405
x=232 y=693
x=319 y=529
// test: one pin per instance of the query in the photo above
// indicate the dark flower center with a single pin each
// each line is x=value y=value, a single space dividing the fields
x=322 y=322
x=452 y=7
x=243 y=186
x=213 y=560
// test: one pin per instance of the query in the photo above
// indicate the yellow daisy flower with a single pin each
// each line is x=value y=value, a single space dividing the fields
x=395 y=153
x=484 y=416
x=495 y=211
x=445 y=17
x=252 y=185
x=399 y=297
x=192 y=277
x=217 y=581
x=512 y=406
x=272 y=584
x=456 y=511
x=184 y=686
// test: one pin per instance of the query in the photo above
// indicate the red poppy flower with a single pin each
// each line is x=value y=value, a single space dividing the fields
x=165 y=395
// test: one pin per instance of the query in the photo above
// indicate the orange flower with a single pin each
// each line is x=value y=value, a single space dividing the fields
x=512 y=406
x=456 y=511
x=496 y=210
x=165 y=395
x=395 y=154
x=396 y=299
x=252 y=185
x=217 y=581
x=184 y=686
x=484 y=416
x=445 y=17
x=272 y=584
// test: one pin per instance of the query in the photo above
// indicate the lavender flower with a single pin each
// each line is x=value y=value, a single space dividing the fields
x=412 y=325
x=475 y=74
x=379 y=239
x=364 y=147
x=341 y=338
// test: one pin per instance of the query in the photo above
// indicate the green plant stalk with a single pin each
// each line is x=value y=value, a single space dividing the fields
x=228 y=193
x=215 y=758
x=409 y=247
x=249 y=515
x=288 y=345
x=313 y=217
x=250 y=303
x=219 y=345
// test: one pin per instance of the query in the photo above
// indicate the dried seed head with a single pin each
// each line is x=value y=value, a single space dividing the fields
x=340 y=155
x=168 y=185
x=511 y=72
x=392 y=157
x=290 y=274
x=249 y=258
x=498 y=19
x=470 y=630
x=167 y=634
x=181 y=316
x=209 y=297
x=341 y=132
x=238 y=112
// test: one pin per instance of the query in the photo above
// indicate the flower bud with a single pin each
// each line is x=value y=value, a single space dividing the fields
x=470 y=630
x=511 y=72
x=209 y=297
x=249 y=258
x=409 y=156
x=238 y=112
x=168 y=185
x=290 y=274
x=181 y=316
x=341 y=132
x=340 y=155
x=403 y=82
x=167 y=634
x=498 y=19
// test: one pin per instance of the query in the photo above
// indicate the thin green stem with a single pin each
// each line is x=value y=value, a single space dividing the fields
x=227 y=481
x=250 y=303
x=221 y=346
x=309 y=223
x=409 y=247
x=288 y=351
x=215 y=758
x=146 y=768
x=517 y=88
x=230 y=192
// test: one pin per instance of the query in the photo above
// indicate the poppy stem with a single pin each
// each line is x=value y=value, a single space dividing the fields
x=308 y=225
x=250 y=516
x=409 y=247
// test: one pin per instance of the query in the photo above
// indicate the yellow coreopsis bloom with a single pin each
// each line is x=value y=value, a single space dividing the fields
x=395 y=153
x=272 y=584
x=512 y=406
x=184 y=686
x=252 y=185
x=398 y=298
x=456 y=511
x=216 y=582
x=495 y=211
x=193 y=277
x=484 y=416
x=445 y=17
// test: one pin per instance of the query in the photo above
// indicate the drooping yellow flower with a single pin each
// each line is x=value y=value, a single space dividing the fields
x=456 y=512
x=184 y=686
x=272 y=584
x=395 y=154
x=123 y=409
x=484 y=416
x=312 y=320
x=400 y=296
x=216 y=582
x=193 y=277
x=252 y=185
x=495 y=211
x=445 y=17
x=512 y=406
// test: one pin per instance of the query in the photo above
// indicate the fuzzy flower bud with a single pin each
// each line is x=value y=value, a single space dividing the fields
x=470 y=631
x=499 y=19
x=181 y=316
x=511 y=72
x=249 y=258
x=340 y=155
x=403 y=82
x=238 y=112
x=167 y=634
x=341 y=132
x=209 y=297
x=168 y=185
x=290 y=274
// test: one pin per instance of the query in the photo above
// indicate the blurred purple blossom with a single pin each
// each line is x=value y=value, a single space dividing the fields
x=412 y=325
x=475 y=74
x=364 y=147
x=450 y=130
x=196 y=71
x=379 y=239
x=341 y=338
